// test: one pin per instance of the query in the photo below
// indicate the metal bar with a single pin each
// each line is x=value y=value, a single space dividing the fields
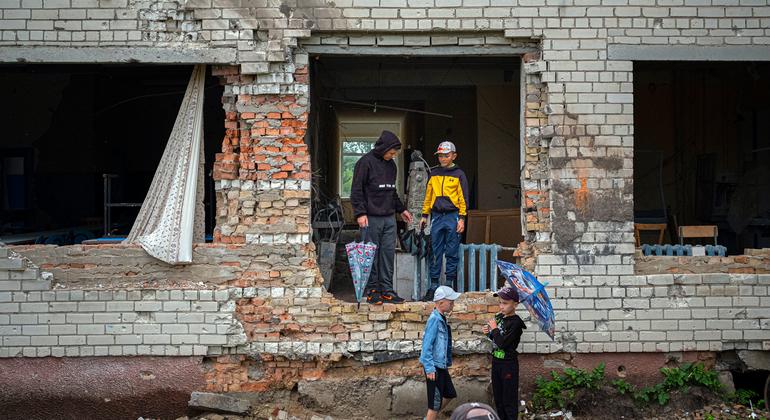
x=395 y=108
x=472 y=269
x=482 y=268
x=493 y=267
x=416 y=280
x=461 y=269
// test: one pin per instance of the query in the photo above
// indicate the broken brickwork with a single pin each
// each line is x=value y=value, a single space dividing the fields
x=252 y=304
x=535 y=177
x=263 y=173
x=754 y=261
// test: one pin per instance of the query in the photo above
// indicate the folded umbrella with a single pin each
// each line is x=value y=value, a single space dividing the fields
x=360 y=259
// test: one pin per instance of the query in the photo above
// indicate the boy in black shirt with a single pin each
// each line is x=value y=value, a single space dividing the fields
x=505 y=331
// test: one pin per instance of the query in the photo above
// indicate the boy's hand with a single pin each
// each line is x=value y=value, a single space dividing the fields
x=492 y=324
x=485 y=329
x=423 y=222
x=431 y=376
x=460 y=226
x=406 y=216
x=363 y=221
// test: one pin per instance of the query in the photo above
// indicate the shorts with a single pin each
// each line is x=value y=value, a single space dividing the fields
x=441 y=388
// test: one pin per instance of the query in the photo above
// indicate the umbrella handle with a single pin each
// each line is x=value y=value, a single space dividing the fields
x=364 y=232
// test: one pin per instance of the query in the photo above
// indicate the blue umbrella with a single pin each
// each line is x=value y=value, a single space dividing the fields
x=531 y=293
x=360 y=259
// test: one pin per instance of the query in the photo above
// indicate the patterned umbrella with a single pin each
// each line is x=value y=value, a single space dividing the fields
x=360 y=259
x=531 y=293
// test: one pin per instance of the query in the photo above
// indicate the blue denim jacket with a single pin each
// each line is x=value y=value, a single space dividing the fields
x=436 y=344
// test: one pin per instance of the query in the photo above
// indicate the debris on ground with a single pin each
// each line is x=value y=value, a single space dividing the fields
x=219 y=403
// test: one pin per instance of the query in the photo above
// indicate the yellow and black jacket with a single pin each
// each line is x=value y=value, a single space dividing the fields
x=447 y=191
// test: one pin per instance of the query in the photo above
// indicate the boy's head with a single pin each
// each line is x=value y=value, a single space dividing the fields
x=474 y=411
x=388 y=145
x=509 y=298
x=444 y=299
x=447 y=153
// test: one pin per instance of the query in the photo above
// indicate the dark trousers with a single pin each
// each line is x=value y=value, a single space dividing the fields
x=382 y=231
x=445 y=241
x=505 y=388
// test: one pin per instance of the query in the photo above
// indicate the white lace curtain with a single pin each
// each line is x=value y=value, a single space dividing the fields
x=171 y=217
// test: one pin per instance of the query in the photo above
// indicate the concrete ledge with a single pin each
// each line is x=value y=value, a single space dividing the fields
x=77 y=55
x=417 y=51
x=688 y=53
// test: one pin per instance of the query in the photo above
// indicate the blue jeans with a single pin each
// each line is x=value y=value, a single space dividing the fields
x=445 y=241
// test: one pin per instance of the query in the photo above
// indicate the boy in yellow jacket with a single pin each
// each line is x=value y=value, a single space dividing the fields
x=445 y=202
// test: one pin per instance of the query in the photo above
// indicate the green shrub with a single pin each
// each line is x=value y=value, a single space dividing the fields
x=745 y=397
x=557 y=391
x=622 y=387
x=554 y=393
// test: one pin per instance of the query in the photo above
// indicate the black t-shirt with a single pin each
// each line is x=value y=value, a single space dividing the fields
x=506 y=336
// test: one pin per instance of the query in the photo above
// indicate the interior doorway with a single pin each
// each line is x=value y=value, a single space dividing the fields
x=473 y=101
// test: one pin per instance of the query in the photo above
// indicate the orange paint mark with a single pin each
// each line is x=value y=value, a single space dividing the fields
x=581 y=196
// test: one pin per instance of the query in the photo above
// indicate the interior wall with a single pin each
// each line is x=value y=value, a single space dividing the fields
x=708 y=124
x=78 y=122
x=480 y=95
x=460 y=103
x=498 y=147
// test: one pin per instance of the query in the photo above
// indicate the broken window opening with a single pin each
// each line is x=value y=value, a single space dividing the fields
x=701 y=150
x=66 y=126
x=472 y=101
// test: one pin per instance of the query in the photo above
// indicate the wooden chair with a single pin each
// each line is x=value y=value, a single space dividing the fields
x=642 y=227
x=705 y=231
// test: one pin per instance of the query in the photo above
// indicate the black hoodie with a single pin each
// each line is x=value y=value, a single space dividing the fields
x=373 y=191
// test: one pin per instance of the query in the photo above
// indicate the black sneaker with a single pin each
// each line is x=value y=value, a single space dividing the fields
x=429 y=294
x=374 y=298
x=392 y=297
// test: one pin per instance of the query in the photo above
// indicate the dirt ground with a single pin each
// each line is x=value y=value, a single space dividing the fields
x=604 y=404
x=694 y=403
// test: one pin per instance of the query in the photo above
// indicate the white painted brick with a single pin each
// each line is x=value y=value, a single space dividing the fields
x=100 y=340
x=147 y=306
x=157 y=339
x=184 y=339
x=91 y=307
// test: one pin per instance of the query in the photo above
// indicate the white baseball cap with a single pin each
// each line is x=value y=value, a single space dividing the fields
x=445 y=292
x=446 y=147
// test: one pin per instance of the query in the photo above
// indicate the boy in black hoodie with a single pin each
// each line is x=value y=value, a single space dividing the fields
x=375 y=201
x=505 y=331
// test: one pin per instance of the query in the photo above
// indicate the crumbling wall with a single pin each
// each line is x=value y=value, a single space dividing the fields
x=263 y=175
x=267 y=325
x=284 y=311
x=754 y=261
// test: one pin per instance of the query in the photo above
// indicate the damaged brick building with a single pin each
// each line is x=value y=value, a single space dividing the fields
x=592 y=118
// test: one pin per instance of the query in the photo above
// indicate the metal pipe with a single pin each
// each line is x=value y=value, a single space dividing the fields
x=395 y=108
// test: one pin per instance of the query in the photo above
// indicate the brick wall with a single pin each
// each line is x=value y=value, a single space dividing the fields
x=577 y=180
x=285 y=312
x=579 y=133
x=263 y=175
x=754 y=261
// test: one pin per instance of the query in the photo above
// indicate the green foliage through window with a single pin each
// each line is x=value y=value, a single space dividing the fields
x=352 y=150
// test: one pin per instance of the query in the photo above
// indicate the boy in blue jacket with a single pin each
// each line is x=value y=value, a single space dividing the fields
x=436 y=354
